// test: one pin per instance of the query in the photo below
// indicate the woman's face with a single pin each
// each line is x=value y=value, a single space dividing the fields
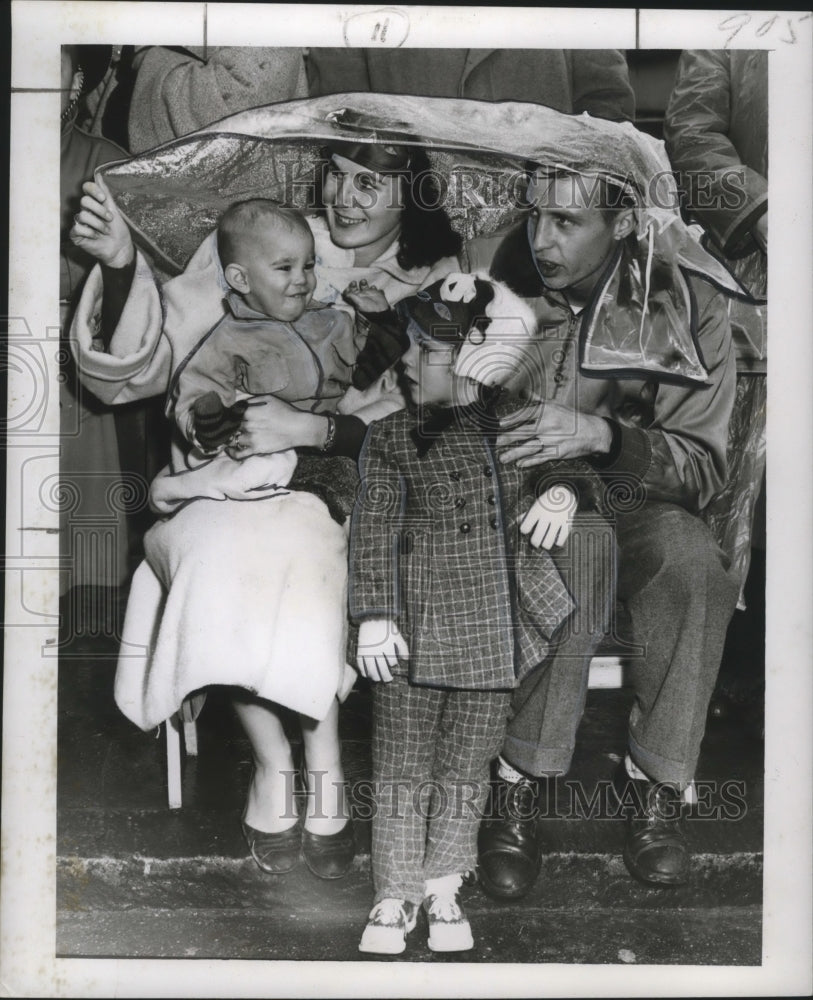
x=363 y=208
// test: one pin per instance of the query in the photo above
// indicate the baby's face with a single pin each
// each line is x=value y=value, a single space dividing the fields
x=279 y=269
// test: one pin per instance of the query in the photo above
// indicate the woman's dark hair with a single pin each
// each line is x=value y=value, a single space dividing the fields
x=426 y=232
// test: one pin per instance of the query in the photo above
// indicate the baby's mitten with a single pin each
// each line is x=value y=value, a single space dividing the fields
x=386 y=342
x=214 y=423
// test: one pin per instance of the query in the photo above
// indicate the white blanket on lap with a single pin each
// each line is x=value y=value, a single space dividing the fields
x=248 y=594
x=258 y=477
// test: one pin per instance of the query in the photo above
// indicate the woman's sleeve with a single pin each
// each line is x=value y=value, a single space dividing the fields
x=137 y=361
x=116 y=282
x=349 y=438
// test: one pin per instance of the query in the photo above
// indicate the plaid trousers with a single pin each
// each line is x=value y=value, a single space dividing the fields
x=431 y=753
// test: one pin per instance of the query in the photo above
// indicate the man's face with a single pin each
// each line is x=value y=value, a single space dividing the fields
x=571 y=239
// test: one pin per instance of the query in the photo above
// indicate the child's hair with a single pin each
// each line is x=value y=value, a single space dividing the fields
x=426 y=232
x=241 y=218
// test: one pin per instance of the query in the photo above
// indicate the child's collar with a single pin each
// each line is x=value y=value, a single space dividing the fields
x=432 y=421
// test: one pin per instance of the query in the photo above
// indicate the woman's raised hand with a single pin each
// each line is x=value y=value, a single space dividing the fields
x=99 y=227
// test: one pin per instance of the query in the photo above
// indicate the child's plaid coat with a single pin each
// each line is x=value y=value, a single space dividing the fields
x=435 y=546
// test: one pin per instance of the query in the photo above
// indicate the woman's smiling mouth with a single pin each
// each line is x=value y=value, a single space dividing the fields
x=347 y=220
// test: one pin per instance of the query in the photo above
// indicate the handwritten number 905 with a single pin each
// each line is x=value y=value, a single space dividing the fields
x=737 y=22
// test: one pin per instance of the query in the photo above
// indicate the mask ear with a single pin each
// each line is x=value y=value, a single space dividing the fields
x=237 y=278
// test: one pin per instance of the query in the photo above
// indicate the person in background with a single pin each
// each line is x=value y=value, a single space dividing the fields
x=568 y=80
x=89 y=449
x=716 y=133
x=176 y=91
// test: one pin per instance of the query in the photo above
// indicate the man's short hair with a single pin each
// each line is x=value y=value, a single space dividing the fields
x=600 y=191
x=239 y=221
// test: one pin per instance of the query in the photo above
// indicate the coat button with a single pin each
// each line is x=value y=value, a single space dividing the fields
x=465 y=528
x=493 y=523
x=487 y=471
x=460 y=503
x=491 y=499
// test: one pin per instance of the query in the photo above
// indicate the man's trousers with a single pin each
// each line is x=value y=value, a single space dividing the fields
x=674 y=582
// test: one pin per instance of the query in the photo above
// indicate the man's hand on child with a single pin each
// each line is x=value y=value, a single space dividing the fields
x=548 y=521
x=99 y=227
x=553 y=431
x=366 y=298
x=380 y=646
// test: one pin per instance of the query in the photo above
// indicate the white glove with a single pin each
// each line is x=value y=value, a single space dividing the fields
x=379 y=647
x=550 y=517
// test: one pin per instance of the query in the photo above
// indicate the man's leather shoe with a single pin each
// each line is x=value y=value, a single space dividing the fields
x=508 y=843
x=655 y=851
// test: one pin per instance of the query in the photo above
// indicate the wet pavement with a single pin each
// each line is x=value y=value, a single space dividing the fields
x=136 y=879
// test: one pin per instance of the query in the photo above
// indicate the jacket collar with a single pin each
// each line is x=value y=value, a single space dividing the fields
x=433 y=421
x=641 y=320
x=240 y=309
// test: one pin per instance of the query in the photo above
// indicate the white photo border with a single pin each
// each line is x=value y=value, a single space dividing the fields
x=28 y=907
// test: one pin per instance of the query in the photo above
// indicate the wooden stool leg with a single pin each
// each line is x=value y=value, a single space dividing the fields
x=190 y=738
x=173 y=727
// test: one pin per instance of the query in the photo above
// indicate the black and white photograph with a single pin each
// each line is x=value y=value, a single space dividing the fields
x=463 y=623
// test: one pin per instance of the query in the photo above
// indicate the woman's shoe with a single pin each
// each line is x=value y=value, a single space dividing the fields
x=329 y=855
x=275 y=853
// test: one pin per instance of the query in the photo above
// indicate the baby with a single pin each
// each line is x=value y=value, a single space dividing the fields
x=271 y=339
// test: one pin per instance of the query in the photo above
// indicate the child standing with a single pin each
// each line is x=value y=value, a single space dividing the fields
x=453 y=608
